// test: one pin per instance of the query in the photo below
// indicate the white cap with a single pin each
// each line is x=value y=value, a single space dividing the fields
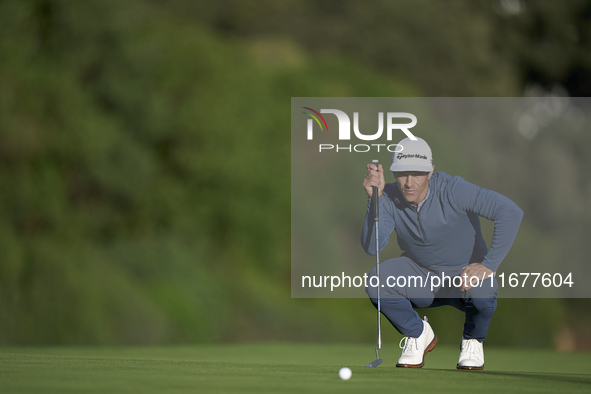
x=415 y=155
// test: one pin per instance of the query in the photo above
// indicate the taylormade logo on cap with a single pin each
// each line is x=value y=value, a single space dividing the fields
x=415 y=155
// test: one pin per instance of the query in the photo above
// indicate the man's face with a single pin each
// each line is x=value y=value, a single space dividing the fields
x=413 y=185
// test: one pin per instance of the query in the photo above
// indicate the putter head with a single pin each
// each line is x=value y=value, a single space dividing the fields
x=375 y=363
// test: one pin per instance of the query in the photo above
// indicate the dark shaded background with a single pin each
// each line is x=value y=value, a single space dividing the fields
x=144 y=157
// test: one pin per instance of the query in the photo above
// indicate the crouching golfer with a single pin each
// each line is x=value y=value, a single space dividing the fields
x=444 y=259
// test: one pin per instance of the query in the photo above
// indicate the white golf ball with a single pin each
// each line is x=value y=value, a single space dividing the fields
x=345 y=373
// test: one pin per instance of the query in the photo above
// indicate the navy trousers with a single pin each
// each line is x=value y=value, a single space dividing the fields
x=413 y=289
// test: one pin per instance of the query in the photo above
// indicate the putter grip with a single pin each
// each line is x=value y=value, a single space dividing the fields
x=374 y=196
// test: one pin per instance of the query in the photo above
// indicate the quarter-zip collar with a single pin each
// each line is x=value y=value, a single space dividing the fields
x=417 y=209
x=419 y=205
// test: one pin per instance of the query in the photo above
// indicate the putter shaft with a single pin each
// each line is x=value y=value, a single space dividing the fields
x=378 y=360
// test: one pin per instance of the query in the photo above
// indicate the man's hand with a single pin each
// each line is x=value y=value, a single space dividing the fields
x=475 y=269
x=374 y=177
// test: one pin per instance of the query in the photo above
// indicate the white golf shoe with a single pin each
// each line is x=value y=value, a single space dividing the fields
x=472 y=355
x=415 y=349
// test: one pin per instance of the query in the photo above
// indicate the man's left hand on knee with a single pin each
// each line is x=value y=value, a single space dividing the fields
x=477 y=270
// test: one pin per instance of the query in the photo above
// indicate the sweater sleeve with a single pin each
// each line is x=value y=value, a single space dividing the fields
x=491 y=205
x=386 y=225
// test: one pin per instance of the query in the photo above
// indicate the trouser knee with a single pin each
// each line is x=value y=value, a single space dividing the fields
x=484 y=306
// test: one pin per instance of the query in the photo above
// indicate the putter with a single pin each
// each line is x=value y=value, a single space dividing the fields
x=374 y=197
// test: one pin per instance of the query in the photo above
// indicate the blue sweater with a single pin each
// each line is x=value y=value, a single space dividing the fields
x=446 y=230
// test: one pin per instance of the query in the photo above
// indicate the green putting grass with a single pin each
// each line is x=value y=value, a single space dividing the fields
x=283 y=368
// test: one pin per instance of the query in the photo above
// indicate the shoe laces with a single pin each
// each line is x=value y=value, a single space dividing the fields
x=470 y=347
x=409 y=342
